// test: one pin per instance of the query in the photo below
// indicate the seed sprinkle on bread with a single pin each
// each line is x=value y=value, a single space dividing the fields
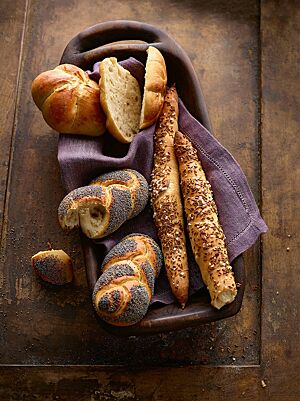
x=166 y=200
x=205 y=232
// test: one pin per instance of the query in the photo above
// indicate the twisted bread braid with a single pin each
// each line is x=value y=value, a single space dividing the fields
x=206 y=234
x=123 y=292
x=103 y=206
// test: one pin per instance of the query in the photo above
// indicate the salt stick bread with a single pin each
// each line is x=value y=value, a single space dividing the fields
x=103 y=206
x=69 y=101
x=125 y=288
x=155 y=87
x=120 y=97
x=166 y=201
x=205 y=232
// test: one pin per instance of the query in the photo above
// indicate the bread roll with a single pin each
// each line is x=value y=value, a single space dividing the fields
x=103 y=206
x=124 y=290
x=166 y=201
x=205 y=232
x=120 y=98
x=69 y=101
x=155 y=87
x=54 y=266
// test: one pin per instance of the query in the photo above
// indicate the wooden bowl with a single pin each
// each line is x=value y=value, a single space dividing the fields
x=107 y=40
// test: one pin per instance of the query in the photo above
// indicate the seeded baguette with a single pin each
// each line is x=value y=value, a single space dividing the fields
x=125 y=288
x=205 y=232
x=103 y=206
x=166 y=201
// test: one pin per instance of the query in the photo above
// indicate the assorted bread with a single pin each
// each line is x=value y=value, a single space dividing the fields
x=205 y=232
x=72 y=103
x=69 y=101
x=123 y=292
x=103 y=206
x=166 y=200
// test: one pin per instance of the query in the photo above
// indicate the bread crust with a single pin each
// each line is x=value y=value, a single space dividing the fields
x=123 y=292
x=166 y=200
x=69 y=101
x=54 y=266
x=154 y=88
x=205 y=232
x=103 y=206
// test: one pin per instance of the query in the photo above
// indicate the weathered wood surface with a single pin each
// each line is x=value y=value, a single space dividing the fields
x=42 y=325
x=12 y=22
x=280 y=144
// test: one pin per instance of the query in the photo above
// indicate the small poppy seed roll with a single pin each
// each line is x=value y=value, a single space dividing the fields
x=54 y=266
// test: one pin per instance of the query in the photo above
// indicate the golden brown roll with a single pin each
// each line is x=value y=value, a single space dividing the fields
x=166 y=201
x=205 y=232
x=103 y=206
x=124 y=290
x=154 y=88
x=54 y=266
x=69 y=101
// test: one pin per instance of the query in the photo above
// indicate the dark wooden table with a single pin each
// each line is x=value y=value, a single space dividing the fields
x=246 y=54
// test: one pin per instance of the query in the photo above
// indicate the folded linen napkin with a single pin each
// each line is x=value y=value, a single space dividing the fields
x=83 y=158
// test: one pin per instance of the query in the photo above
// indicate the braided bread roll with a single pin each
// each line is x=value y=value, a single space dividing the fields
x=205 y=232
x=166 y=201
x=123 y=292
x=103 y=206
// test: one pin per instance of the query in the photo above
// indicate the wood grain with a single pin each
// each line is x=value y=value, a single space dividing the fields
x=12 y=25
x=281 y=197
x=62 y=327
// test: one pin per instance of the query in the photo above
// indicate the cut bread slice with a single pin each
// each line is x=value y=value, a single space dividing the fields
x=120 y=98
x=155 y=87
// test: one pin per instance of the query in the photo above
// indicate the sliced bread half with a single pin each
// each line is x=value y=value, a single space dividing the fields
x=120 y=98
x=155 y=87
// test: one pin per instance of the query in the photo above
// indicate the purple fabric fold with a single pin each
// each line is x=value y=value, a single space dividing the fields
x=82 y=158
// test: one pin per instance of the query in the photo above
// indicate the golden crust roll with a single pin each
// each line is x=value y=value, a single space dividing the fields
x=154 y=88
x=69 y=101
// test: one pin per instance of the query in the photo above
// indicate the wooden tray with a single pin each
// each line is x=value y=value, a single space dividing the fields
x=94 y=44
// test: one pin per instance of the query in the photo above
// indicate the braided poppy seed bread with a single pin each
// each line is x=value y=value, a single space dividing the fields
x=166 y=200
x=102 y=207
x=205 y=232
x=127 y=178
x=125 y=288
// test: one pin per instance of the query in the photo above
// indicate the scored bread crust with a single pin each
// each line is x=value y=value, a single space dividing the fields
x=166 y=200
x=154 y=88
x=123 y=292
x=205 y=232
x=120 y=98
x=69 y=101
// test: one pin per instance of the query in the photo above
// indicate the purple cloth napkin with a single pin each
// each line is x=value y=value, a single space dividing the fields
x=83 y=158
